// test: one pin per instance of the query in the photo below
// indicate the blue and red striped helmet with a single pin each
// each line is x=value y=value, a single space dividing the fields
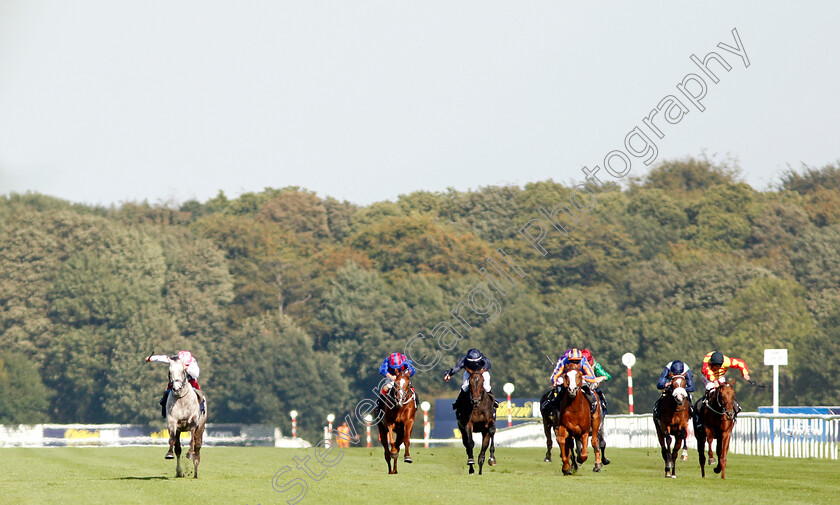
x=396 y=360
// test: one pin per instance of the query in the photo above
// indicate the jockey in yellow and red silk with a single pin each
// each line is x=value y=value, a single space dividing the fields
x=190 y=364
x=395 y=362
x=575 y=356
x=715 y=366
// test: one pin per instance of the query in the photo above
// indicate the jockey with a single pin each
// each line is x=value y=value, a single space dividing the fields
x=395 y=362
x=715 y=366
x=474 y=361
x=673 y=368
x=601 y=375
x=575 y=356
x=191 y=364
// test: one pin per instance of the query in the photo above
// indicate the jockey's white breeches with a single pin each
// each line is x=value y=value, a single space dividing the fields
x=466 y=385
x=710 y=385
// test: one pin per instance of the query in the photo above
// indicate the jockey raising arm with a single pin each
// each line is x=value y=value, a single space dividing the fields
x=715 y=366
x=193 y=371
x=673 y=368
x=185 y=357
x=473 y=361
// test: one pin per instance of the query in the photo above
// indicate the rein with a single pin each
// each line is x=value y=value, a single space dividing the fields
x=717 y=399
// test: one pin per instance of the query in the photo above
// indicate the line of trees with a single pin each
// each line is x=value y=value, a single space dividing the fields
x=291 y=301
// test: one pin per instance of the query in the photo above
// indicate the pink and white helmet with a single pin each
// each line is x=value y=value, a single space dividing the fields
x=185 y=357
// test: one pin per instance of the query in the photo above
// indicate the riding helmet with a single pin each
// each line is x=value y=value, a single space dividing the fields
x=473 y=355
x=396 y=360
x=575 y=355
x=677 y=367
x=716 y=359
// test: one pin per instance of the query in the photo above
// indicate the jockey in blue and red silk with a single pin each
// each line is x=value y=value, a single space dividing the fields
x=574 y=355
x=190 y=364
x=393 y=363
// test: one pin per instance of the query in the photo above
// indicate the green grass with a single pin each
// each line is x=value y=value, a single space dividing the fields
x=243 y=476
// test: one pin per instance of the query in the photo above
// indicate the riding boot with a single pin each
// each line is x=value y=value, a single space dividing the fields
x=416 y=399
x=698 y=415
x=201 y=400
x=656 y=407
x=590 y=396
x=737 y=407
x=163 y=404
x=462 y=396
x=495 y=401
x=603 y=401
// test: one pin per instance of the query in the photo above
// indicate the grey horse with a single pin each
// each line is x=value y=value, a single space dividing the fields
x=183 y=413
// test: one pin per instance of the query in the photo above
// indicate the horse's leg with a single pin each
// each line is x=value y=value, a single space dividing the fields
x=492 y=430
x=191 y=452
x=710 y=440
x=408 y=426
x=469 y=443
x=198 y=439
x=386 y=444
x=394 y=449
x=596 y=440
x=179 y=472
x=679 y=440
x=173 y=433
x=722 y=448
x=485 y=443
x=700 y=436
x=547 y=430
x=560 y=434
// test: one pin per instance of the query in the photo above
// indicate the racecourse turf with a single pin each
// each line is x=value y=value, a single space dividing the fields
x=244 y=476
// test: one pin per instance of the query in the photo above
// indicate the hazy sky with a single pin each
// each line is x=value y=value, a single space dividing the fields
x=103 y=101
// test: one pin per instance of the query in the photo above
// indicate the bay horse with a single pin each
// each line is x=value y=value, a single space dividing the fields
x=397 y=419
x=183 y=413
x=674 y=414
x=574 y=422
x=718 y=420
x=478 y=415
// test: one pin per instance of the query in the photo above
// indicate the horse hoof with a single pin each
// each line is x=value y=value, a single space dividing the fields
x=169 y=455
x=605 y=461
x=717 y=469
x=492 y=461
x=547 y=460
x=597 y=468
x=190 y=455
x=472 y=470
x=711 y=461
x=408 y=460
x=567 y=472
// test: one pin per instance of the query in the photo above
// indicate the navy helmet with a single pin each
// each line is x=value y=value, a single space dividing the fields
x=716 y=359
x=473 y=355
x=677 y=367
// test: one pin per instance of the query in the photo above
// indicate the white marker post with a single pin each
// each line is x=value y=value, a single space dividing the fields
x=328 y=435
x=427 y=428
x=775 y=357
x=508 y=388
x=629 y=360
x=293 y=414
x=368 y=420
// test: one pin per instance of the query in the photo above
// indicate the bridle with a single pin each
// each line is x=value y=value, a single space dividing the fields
x=477 y=383
x=182 y=390
x=724 y=411
x=681 y=405
x=404 y=395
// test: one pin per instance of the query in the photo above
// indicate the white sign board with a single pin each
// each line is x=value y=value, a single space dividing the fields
x=775 y=357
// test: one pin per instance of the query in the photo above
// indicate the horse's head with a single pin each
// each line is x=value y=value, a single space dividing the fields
x=572 y=381
x=678 y=388
x=725 y=396
x=402 y=386
x=177 y=375
x=476 y=386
